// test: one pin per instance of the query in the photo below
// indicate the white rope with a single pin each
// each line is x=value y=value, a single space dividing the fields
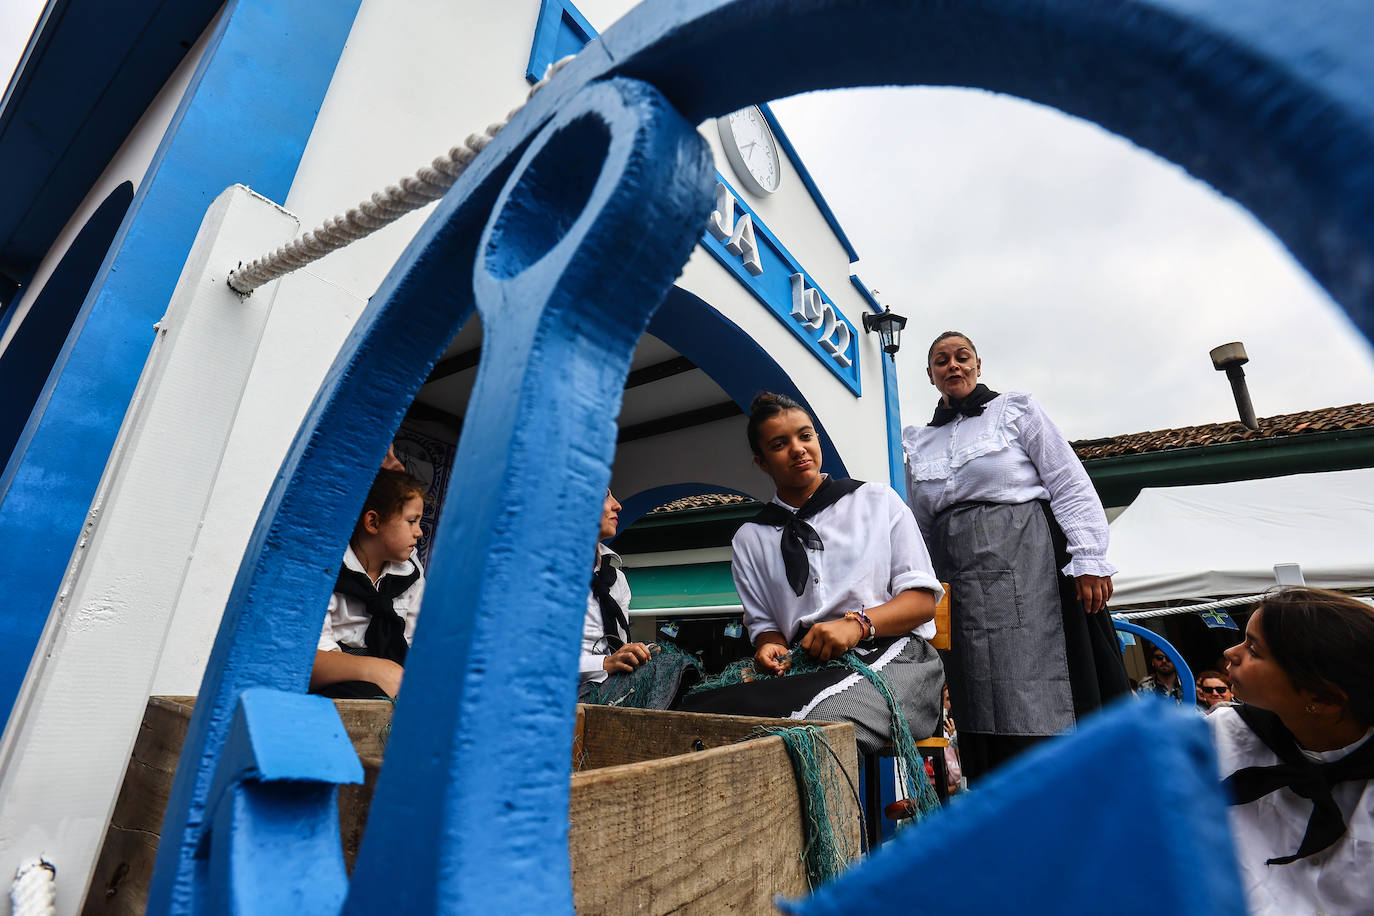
x=383 y=208
x=1191 y=608
x=34 y=892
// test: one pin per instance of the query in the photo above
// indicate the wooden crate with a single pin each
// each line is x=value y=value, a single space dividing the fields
x=670 y=812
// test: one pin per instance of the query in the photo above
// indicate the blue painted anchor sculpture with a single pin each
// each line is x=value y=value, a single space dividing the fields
x=564 y=235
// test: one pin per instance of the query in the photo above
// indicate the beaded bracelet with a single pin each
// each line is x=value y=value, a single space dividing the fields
x=870 y=631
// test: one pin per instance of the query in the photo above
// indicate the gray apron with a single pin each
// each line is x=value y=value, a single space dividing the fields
x=1007 y=665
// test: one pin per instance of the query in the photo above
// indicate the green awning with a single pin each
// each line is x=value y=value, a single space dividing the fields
x=690 y=585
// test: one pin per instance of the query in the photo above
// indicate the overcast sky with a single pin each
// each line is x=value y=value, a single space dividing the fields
x=1087 y=271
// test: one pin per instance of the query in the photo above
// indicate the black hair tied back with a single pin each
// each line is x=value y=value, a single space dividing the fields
x=765 y=406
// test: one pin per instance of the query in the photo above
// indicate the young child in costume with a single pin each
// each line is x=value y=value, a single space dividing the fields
x=371 y=617
x=831 y=566
x=1297 y=757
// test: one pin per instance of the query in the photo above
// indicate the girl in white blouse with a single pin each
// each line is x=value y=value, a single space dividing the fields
x=1015 y=527
x=830 y=565
x=1297 y=757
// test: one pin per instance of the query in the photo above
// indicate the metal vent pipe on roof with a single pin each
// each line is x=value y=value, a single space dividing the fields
x=1230 y=358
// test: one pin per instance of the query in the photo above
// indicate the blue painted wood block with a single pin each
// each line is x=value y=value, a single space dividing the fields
x=1125 y=816
x=271 y=845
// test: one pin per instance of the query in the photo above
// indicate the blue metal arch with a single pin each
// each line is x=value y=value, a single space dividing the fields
x=470 y=811
x=1185 y=674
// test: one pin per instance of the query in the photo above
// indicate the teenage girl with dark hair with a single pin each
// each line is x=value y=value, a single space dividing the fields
x=1015 y=527
x=831 y=565
x=1297 y=757
x=371 y=616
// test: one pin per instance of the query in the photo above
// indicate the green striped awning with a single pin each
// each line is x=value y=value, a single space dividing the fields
x=690 y=585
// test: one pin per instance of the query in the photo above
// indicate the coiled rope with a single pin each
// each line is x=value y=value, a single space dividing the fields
x=428 y=184
x=34 y=892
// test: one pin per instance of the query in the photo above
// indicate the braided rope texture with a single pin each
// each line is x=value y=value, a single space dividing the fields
x=34 y=891
x=1191 y=608
x=428 y=184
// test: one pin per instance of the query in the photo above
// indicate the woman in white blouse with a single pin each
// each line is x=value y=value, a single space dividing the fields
x=1296 y=759
x=830 y=565
x=1015 y=527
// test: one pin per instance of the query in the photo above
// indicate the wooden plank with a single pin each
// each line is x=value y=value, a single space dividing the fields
x=657 y=826
x=614 y=736
x=119 y=883
x=712 y=832
x=579 y=754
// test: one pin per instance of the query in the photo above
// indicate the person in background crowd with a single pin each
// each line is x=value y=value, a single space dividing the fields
x=1014 y=525
x=1164 y=681
x=1213 y=690
x=1296 y=757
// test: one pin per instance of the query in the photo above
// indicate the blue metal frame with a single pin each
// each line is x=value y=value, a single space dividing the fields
x=471 y=806
x=1185 y=674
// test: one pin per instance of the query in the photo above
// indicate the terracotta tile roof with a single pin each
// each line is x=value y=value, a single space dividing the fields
x=1327 y=419
x=704 y=501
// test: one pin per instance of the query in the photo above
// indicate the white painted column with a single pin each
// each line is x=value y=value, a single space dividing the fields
x=64 y=752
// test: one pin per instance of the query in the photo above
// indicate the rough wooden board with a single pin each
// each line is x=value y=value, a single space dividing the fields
x=635 y=829
x=354 y=802
x=637 y=817
x=119 y=885
x=579 y=754
x=614 y=736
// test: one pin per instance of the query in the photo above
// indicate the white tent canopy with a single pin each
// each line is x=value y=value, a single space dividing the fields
x=1224 y=539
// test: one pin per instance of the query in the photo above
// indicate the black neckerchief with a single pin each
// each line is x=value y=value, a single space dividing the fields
x=613 y=621
x=1310 y=780
x=386 y=630
x=797 y=535
x=971 y=406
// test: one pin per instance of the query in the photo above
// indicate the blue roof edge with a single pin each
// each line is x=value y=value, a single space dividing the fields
x=808 y=181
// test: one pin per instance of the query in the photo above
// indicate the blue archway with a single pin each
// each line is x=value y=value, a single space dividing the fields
x=1273 y=110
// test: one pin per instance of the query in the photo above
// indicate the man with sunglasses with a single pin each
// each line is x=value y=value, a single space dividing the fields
x=1213 y=691
x=1165 y=680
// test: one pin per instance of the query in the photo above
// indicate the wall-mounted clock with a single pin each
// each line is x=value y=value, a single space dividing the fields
x=751 y=149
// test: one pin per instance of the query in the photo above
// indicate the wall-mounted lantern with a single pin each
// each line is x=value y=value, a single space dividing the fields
x=889 y=328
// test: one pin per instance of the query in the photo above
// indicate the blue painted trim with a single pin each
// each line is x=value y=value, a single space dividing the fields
x=560 y=23
x=1185 y=674
x=261 y=81
x=810 y=183
x=774 y=290
x=38 y=341
x=896 y=455
x=637 y=505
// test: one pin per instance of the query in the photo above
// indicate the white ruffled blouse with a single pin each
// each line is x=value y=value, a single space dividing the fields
x=1012 y=453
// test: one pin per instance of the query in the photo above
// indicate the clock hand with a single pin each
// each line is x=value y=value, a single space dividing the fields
x=749 y=147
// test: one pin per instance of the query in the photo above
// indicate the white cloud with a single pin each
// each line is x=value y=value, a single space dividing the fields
x=1088 y=271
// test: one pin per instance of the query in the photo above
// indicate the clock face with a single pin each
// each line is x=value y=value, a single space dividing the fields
x=751 y=149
